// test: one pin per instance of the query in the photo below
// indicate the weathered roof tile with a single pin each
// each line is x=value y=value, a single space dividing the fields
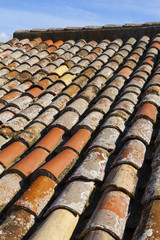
x=123 y=177
x=75 y=197
x=93 y=166
x=110 y=214
x=59 y=99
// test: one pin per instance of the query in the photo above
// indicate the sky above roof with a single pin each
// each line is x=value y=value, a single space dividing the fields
x=18 y=14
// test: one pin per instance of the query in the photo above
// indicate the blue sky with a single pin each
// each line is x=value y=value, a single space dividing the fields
x=19 y=14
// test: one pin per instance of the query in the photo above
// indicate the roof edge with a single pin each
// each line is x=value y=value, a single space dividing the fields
x=98 y=33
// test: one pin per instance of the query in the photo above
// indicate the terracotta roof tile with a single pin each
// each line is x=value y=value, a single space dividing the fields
x=79 y=140
x=102 y=105
x=110 y=214
x=51 y=139
x=84 y=112
x=22 y=226
x=26 y=165
x=93 y=166
x=31 y=133
x=51 y=226
x=106 y=139
x=141 y=130
x=132 y=153
x=34 y=199
x=74 y=197
x=91 y=121
x=59 y=166
x=8 y=155
x=115 y=122
x=123 y=177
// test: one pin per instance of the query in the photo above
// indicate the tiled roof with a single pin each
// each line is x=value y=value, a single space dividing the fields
x=78 y=132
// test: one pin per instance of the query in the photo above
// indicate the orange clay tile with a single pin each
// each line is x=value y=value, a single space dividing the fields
x=10 y=153
x=147 y=110
x=149 y=60
x=157 y=45
x=44 y=83
x=37 y=195
x=52 y=139
x=72 y=90
x=35 y=91
x=79 y=140
x=58 y=43
x=49 y=42
x=111 y=214
x=12 y=74
x=11 y=96
x=125 y=72
x=53 y=77
x=27 y=47
x=152 y=98
x=51 y=49
x=31 y=162
x=61 y=164
x=98 y=50
x=38 y=39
